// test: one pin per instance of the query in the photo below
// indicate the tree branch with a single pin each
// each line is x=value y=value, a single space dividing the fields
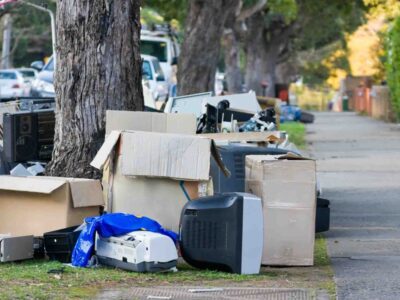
x=247 y=13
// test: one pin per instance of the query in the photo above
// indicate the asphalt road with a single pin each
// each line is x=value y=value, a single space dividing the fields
x=359 y=171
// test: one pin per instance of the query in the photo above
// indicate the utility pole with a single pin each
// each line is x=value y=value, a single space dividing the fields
x=5 y=55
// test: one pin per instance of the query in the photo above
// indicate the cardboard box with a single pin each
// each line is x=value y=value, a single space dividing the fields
x=151 y=154
x=175 y=154
x=287 y=186
x=161 y=199
x=289 y=235
x=149 y=121
x=35 y=205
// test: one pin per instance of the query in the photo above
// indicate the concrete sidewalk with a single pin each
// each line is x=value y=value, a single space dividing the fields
x=359 y=171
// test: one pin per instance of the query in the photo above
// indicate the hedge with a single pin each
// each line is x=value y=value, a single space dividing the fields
x=393 y=65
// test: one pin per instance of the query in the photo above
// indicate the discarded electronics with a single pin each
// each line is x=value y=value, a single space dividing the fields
x=33 y=170
x=287 y=186
x=261 y=121
x=188 y=104
x=28 y=136
x=223 y=232
x=35 y=205
x=15 y=248
x=196 y=103
x=234 y=157
x=245 y=101
x=59 y=244
x=139 y=251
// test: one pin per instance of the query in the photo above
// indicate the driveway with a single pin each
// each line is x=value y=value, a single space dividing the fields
x=359 y=171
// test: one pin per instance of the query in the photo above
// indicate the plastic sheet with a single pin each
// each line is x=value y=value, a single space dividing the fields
x=114 y=224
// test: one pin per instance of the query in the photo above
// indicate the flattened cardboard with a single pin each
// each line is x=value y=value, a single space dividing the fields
x=149 y=121
x=259 y=137
x=165 y=155
x=105 y=150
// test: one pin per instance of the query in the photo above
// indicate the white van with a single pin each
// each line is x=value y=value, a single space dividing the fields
x=154 y=76
x=163 y=46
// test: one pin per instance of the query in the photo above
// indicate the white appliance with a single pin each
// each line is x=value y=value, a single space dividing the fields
x=139 y=251
x=14 y=248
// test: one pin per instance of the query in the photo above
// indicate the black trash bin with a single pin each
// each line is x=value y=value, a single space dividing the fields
x=322 y=215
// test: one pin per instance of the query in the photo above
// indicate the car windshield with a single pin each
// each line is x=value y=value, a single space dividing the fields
x=146 y=70
x=8 y=75
x=158 y=70
x=27 y=73
x=49 y=66
x=154 y=48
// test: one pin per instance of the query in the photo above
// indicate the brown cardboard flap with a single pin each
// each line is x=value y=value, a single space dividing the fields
x=104 y=152
x=165 y=155
x=218 y=159
x=245 y=136
x=42 y=185
x=86 y=193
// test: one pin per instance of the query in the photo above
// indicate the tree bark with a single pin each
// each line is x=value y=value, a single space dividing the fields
x=263 y=49
x=201 y=45
x=98 y=68
x=233 y=73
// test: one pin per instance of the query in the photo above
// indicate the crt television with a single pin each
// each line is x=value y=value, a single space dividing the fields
x=223 y=232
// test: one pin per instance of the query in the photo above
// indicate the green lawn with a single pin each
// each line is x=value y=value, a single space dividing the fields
x=297 y=133
x=30 y=279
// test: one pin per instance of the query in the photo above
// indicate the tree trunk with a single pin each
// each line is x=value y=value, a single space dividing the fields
x=201 y=46
x=233 y=73
x=256 y=42
x=263 y=49
x=98 y=68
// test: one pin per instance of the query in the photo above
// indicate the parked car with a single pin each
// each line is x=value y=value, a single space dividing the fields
x=12 y=84
x=29 y=74
x=154 y=75
x=43 y=85
x=162 y=44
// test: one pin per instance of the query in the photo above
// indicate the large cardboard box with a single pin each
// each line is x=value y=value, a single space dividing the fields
x=35 y=205
x=287 y=186
x=152 y=174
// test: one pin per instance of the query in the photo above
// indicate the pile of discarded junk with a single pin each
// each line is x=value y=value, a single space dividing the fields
x=210 y=179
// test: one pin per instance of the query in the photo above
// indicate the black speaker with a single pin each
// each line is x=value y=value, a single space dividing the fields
x=20 y=137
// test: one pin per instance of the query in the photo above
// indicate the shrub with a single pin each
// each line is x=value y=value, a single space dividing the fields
x=393 y=65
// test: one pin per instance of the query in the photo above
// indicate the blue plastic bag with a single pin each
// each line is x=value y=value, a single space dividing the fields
x=114 y=224
x=290 y=113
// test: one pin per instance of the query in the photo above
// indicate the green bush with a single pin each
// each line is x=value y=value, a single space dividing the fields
x=393 y=65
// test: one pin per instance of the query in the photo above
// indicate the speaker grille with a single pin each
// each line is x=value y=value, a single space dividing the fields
x=205 y=235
